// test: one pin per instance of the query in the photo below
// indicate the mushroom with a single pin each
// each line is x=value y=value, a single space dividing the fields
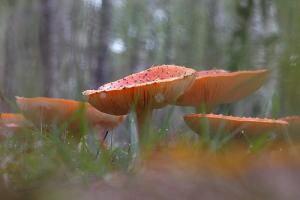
x=294 y=124
x=144 y=91
x=51 y=111
x=10 y=123
x=232 y=124
x=215 y=87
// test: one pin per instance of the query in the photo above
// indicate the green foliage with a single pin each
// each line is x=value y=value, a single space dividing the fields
x=32 y=157
x=275 y=106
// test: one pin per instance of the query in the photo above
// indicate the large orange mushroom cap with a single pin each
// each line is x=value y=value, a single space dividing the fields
x=49 y=111
x=152 y=88
x=230 y=124
x=214 y=87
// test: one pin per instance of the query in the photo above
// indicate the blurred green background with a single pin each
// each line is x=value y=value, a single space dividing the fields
x=59 y=48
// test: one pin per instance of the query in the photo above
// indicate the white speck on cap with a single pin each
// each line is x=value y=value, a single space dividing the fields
x=103 y=95
x=159 y=98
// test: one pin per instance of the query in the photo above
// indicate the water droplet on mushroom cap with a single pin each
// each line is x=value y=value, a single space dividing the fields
x=103 y=95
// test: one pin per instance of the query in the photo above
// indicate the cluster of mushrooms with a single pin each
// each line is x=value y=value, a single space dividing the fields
x=144 y=91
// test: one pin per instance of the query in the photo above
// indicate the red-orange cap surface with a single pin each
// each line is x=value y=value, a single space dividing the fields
x=294 y=124
x=12 y=118
x=230 y=124
x=10 y=123
x=58 y=111
x=214 y=87
x=152 y=88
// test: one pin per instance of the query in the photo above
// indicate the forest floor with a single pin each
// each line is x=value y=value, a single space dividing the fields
x=40 y=165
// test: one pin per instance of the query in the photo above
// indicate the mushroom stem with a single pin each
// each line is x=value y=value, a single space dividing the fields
x=144 y=117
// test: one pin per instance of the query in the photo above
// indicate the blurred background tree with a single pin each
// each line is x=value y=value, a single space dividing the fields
x=59 y=48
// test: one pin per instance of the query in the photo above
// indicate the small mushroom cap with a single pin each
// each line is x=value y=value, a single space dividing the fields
x=51 y=111
x=230 y=124
x=294 y=124
x=214 y=87
x=10 y=123
x=12 y=118
x=153 y=88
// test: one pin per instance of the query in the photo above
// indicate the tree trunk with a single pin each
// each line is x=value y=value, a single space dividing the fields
x=45 y=37
x=211 y=54
x=254 y=44
x=9 y=67
x=168 y=34
x=102 y=68
x=240 y=35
